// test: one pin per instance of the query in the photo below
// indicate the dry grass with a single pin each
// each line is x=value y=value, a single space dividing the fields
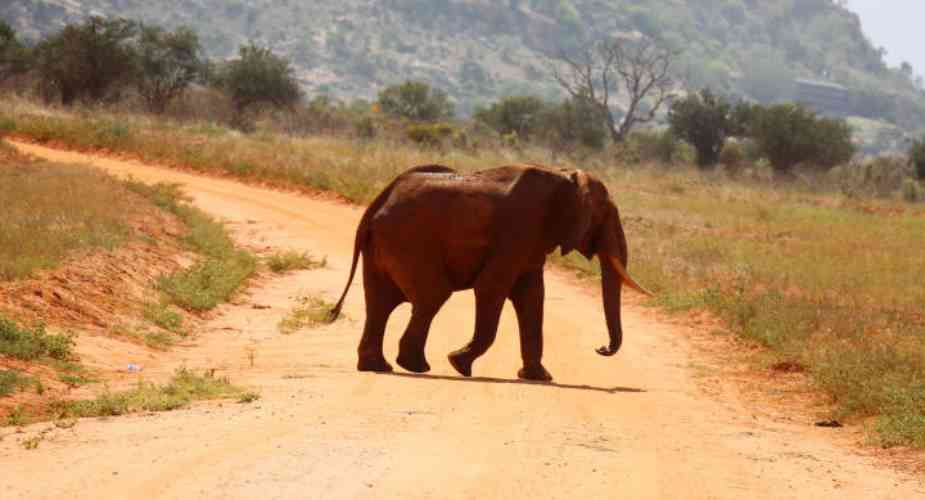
x=184 y=388
x=291 y=260
x=310 y=312
x=49 y=211
x=830 y=281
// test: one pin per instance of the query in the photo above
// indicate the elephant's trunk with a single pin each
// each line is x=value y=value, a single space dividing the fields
x=611 y=286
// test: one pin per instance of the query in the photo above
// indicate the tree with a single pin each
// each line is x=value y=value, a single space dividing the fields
x=167 y=64
x=416 y=101
x=791 y=134
x=89 y=60
x=520 y=114
x=567 y=125
x=705 y=121
x=917 y=158
x=259 y=76
x=595 y=73
x=13 y=56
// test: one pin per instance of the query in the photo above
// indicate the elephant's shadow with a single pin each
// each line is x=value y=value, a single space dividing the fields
x=493 y=380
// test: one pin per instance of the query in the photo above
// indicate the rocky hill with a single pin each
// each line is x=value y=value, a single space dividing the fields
x=478 y=50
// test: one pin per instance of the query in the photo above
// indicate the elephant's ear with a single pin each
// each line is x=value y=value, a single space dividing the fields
x=578 y=210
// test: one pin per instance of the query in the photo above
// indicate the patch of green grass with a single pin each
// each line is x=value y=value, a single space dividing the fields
x=249 y=397
x=13 y=380
x=208 y=283
x=30 y=344
x=184 y=388
x=311 y=312
x=222 y=269
x=161 y=341
x=163 y=317
x=281 y=262
x=75 y=380
x=17 y=417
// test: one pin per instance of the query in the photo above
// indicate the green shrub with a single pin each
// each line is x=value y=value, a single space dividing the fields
x=522 y=115
x=705 y=121
x=31 y=344
x=13 y=380
x=791 y=134
x=167 y=64
x=733 y=155
x=258 y=76
x=917 y=158
x=416 y=101
x=91 y=60
x=912 y=191
x=431 y=135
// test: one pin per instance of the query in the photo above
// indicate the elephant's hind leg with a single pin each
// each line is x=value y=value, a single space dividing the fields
x=411 y=348
x=382 y=297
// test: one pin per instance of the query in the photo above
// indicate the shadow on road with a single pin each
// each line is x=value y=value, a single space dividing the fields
x=492 y=380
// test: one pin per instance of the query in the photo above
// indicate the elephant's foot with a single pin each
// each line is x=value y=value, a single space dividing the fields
x=374 y=364
x=461 y=362
x=534 y=372
x=414 y=364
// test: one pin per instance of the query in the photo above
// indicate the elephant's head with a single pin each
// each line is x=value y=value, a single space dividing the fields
x=589 y=223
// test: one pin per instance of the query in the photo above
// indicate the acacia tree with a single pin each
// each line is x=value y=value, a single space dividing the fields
x=167 y=64
x=917 y=157
x=416 y=101
x=792 y=134
x=520 y=114
x=13 y=58
x=87 y=60
x=259 y=76
x=597 y=72
x=705 y=121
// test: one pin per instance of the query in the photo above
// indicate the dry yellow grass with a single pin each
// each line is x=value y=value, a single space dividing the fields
x=826 y=281
x=49 y=211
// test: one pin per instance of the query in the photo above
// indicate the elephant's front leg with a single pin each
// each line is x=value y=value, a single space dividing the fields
x=488 y=305
x=527 y=295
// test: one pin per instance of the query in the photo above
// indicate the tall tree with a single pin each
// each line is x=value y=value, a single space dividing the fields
x=13 y=58
x=597 y=72
x=705 y=121
x=89 y=60
x=167 y=64
x=259 y=76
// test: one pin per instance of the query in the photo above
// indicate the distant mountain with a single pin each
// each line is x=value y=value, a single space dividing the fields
x=478 y=50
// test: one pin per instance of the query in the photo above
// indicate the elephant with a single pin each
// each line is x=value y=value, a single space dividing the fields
x=433 y=231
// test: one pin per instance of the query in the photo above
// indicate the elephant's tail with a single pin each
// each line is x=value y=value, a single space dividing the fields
x=363 y=228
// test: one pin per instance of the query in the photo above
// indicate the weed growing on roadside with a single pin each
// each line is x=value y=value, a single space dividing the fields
x=161 y=315
x=31 y=344
x=311 y=312
x=184 y=388
x=281 y=262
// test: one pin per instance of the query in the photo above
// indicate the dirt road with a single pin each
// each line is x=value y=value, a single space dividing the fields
x=634 y=426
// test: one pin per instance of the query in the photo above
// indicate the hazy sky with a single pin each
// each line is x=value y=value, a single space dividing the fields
x=897 y=26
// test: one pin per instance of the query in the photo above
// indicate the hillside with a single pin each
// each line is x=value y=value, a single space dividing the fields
x=478 y=50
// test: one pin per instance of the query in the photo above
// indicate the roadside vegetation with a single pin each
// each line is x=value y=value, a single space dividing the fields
x=311 y=311
x=221 y=270
x=282 y=262
x=51 y=211
x=183 y=388
x=52 y=214
x=805 y=250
